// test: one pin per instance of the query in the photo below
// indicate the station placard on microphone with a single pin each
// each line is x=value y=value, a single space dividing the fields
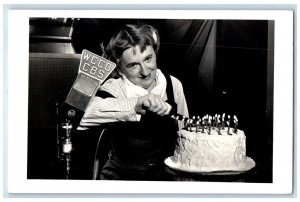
x=95 y=65
x=93 y=70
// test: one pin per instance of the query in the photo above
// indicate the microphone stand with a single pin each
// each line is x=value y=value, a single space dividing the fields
x=64 y=143
x=67 y=146
x=93 y=70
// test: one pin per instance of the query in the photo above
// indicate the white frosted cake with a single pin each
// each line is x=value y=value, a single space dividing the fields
x=213 y=150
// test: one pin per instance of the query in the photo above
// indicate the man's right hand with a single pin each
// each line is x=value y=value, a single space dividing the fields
x=153 y=103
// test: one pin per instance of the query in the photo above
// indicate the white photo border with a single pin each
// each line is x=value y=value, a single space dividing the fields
x=17 y=83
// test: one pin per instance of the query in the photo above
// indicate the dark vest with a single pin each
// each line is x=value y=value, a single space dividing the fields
x=151 y=139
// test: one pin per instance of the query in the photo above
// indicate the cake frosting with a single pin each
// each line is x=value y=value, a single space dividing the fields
x=213 y=150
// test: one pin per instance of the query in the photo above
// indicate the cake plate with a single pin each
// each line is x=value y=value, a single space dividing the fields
x=249 y=164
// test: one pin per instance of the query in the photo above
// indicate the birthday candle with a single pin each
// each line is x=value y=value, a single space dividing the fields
x=236 y=122
x=228 y=125
x=199 y=119
x=223 y=121
x=206 y=121
x=219 y=126
x=190 y=124
x=215 y=120
x=209 y=125
x=185 y=124
x=203 y=122
x=216 y=117
x=186 y=121
x=228 y=122
x=197 y=126
x=193 y=121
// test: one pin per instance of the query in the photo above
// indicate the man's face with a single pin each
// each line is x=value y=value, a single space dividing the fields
x=139 y=67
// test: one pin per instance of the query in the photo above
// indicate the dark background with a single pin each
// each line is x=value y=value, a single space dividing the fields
x=240 y=82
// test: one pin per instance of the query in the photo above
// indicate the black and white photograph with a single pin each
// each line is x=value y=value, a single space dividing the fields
x=187 y=100
x=151 y=99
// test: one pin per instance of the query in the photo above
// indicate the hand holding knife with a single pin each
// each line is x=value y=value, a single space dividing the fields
x=155 y=104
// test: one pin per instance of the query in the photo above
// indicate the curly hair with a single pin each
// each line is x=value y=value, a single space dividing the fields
x=130 y=36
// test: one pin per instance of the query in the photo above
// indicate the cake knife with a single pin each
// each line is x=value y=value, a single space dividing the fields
x=179 y=117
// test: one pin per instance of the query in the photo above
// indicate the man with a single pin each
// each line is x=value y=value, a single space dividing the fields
x=136 y=103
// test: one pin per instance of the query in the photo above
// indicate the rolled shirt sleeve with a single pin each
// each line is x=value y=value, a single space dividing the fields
x=111 y=109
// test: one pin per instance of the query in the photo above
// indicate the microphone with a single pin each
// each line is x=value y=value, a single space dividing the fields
x=93 y=70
